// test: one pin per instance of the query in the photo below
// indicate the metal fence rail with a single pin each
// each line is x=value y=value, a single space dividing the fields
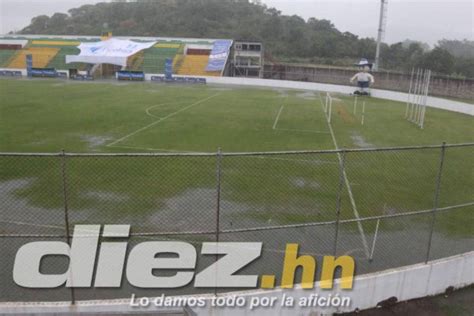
x=386 y=207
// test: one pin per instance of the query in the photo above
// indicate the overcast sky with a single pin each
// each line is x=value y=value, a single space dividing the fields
x=424 y=20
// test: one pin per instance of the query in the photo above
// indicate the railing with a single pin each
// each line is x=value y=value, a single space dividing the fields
x=386 y=207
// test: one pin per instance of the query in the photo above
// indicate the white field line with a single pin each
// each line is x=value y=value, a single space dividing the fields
x=157 y=105
x=278 y=117
x=349 y=190
x=293 y=129
x=301 y=130
x=375 y=240
x=161 y=120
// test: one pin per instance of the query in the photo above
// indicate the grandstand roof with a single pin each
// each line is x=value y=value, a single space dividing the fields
x=7 y=41
x=98 y=38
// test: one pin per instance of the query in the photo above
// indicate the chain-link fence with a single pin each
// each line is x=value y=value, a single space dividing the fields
x=385 y=207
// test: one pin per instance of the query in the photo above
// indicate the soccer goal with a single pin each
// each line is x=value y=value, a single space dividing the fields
x=417 y=96
x=328 y=107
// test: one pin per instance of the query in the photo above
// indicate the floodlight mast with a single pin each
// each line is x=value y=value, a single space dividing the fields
x=381 y=34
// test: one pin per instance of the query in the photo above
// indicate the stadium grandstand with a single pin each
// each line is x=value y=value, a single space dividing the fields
x=190 y=57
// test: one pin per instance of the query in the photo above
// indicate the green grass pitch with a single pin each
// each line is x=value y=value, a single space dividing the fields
x=47 y=116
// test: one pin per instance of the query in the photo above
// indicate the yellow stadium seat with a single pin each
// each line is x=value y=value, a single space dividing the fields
x=168 y=45
x=41 y=57
x=56 y=43
x=178 y=61
x=195 y=65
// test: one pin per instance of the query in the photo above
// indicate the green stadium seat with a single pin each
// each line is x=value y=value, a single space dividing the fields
x=155 y=58
x=5 y=56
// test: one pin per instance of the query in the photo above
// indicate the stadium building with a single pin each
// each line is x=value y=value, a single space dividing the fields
x=189 y=57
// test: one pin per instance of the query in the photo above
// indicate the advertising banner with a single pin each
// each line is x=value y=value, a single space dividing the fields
x=219 y=54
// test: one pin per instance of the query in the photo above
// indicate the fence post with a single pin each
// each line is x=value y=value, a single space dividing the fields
x=339 y=198
x=436 y=201
x=218 y=198
x=66 y=210
x=218 y=191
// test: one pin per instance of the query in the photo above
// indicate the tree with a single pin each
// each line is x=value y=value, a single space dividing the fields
x=39 y=25
x=439 y=60
x=285 y=37
x=59 y=21
x=463 y=49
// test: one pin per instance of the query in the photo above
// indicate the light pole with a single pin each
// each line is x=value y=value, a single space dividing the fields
x=381 y=31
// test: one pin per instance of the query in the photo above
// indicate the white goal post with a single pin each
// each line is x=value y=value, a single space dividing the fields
x=415 y=111
x=328 y=107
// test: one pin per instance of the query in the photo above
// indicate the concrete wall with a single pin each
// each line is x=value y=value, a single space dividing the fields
x=440 y=85
x=405 y=283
